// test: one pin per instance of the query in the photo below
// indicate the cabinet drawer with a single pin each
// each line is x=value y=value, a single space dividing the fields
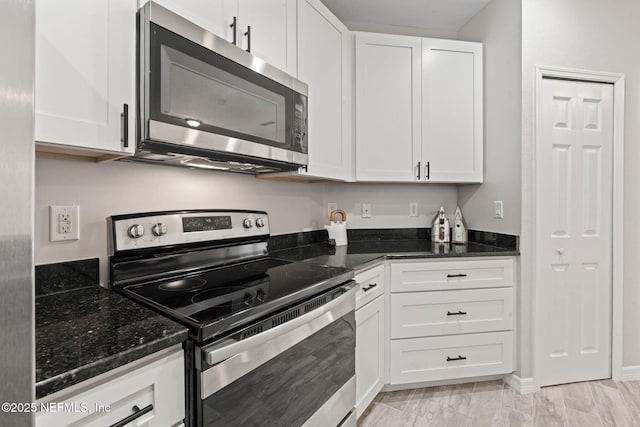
x=370 y=285
x=157 y=387
x=423 y=314
x=457 y=356
x=456 y=274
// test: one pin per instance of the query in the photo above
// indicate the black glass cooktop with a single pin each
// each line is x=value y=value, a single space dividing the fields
x=223 y=298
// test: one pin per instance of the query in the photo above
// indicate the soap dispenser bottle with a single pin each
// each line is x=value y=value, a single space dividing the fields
x=440 y=230
x=460 y=235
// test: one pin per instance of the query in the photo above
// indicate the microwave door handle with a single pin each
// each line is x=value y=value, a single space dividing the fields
x=234 y=359
x=248 y=34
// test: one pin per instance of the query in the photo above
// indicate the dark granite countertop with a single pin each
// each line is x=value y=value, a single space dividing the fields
x=83 y=330
x=357 y=254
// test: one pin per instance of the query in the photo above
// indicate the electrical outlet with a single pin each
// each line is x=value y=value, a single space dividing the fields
x=413 y=209
x=366 y=210
x=331 y=206
x=64 y=223
x=498 y=211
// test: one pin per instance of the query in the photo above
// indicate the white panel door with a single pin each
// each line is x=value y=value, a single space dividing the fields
x=215 y=16
x=574 y=206
x=388 y=81
x=323 y=57
x=85 y=73
x=273 y=31
x=451 y=111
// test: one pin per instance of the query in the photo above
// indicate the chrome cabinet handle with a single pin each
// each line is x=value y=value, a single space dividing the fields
x=451 y=359
x=248 y=34
x=136 y=414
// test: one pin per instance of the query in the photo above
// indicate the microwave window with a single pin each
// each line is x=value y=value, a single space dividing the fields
x=193 y=89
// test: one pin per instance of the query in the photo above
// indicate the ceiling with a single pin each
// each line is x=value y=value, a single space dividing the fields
x=438 y=15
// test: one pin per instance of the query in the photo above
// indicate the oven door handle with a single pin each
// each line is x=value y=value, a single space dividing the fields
x=233 y=359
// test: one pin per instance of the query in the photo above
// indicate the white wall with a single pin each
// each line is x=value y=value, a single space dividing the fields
x=498 y=26
x=115 y=188
x=390 y=203
x=592 y=35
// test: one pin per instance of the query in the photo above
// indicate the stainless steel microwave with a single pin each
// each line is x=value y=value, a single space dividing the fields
x=206 y=103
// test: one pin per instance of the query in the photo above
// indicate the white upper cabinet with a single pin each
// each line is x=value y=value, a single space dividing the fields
x=85 y=75
x=323 y=63
x=452 y=110
x=388 y=82
x=215 y=16
x=265 y=27
x=272 y=34
x=418 y=109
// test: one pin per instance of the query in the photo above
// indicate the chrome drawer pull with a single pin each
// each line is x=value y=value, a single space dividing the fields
x=449 y=359
x=456 y=275
x=459 y=313
x=368 y=288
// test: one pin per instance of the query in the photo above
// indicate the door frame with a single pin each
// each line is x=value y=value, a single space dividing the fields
x=618 y=81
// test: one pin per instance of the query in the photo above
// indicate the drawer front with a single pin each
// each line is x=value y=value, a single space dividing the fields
x=370 y=285
x=423 y=314
x=457 y=356
x=157 y=388
x=446 y=275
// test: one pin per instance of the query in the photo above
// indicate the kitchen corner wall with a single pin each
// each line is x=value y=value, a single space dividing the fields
x=112 y=188
x=499 y=27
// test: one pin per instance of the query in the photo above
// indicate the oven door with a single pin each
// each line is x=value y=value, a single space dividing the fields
x=299 y=373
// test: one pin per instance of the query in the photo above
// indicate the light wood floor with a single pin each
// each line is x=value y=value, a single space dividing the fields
x=596 y=403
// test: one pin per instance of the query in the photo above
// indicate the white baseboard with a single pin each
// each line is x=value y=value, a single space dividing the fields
x=521 y=385
x=631 y=373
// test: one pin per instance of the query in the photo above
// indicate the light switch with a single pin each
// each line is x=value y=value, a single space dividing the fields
x=497 y=209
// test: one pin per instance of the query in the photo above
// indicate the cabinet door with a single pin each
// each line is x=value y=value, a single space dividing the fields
x=215 y=16
x=452 y=110
x=273 y=31
x=323 y=63
x=369 y=353
x=388 y=81
x=85 y=73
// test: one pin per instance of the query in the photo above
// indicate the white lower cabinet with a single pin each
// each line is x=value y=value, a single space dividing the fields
x=154 y=386
x=450 y=356
x=370 y=325
x=450 y=319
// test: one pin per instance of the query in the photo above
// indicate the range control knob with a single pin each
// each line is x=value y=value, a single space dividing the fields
x=247 y=223
x=136 y=231
x=159 y=229
x=260 y=222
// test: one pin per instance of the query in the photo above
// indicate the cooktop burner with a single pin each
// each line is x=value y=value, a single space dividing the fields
x=182 y=284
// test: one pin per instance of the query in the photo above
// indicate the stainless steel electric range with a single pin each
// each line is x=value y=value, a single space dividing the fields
x=272 y=342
